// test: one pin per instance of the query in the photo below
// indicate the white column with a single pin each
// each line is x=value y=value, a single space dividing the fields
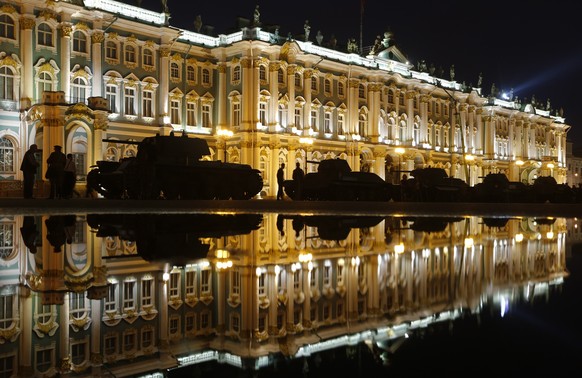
x=97 y=41
x=66 y=31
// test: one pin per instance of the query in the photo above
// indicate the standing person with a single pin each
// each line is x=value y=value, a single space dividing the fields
x=298 y=175
x=280 y=179
x=56 y=171
x=28 y=167
x=70 y=178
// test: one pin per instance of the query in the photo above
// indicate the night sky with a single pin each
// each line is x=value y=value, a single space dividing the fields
x=532 y=47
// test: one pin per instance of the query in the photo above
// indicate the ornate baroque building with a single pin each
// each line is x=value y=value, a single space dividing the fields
x=74 y=73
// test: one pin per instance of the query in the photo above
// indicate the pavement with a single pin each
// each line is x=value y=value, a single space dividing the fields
x=20 y=206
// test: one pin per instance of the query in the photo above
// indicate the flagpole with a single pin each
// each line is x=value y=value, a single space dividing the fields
x=361 y=26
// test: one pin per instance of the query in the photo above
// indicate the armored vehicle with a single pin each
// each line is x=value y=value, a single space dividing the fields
x=547 y=189
x=496 y=187
x=172 y=167
x=335 y=181
x=434 y=185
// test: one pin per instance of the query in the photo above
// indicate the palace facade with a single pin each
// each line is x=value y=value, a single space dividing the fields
x=74 y=73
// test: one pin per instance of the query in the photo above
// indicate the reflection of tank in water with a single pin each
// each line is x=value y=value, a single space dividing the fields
x=173 y=166
x=174 y=238
x=329 y=227
x=335 y=181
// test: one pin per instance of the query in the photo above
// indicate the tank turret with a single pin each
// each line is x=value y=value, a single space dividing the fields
x=174 y=168
x=335 y=181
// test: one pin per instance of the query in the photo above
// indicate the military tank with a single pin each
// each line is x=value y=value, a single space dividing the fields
x=335 y=181
x=433 y=185
x=496 y=187
x=172 y=167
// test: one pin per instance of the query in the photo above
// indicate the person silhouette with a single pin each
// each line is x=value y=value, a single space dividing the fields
x=280 y=179
x=56 y=171
x=28 y=167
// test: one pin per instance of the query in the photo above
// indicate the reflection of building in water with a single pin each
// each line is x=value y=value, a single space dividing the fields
x=98 y=306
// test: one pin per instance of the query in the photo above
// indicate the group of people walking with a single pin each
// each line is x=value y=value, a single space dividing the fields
x=61 y=172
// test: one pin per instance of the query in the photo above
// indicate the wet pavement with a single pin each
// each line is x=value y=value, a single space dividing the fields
x=101 y=205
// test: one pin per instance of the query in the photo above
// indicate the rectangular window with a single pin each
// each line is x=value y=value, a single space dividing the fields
x=191 y=114
x=6 y=306
x=205 y=284
x=190 y=323
x=148 y=104
x=110 y=344
x=262 y=287
x=147 y=337
x=174 y=325
x=7 y=366
x=129 y=341
x=44 y=359
x=128 y=295
x=314 y=120
x=326 y=275
x=341 y=121
x=174 y=288
x=206 y=117
x=298 y=116
x=235 y=282
x=111 y=96
x=175 y=112
x=110 y=304
x=146 y=292
x=79 y=352
x=327 y=122
x=263 y=113
x=236 y=114
x=148 y=58
x=129 y=101
x=190 y=282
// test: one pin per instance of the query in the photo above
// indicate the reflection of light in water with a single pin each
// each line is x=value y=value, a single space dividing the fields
x=503 y=306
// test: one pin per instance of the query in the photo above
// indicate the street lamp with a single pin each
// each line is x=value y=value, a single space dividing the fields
x=551 y=167
x=519 y=164
x=306 y=142
x=223 y=135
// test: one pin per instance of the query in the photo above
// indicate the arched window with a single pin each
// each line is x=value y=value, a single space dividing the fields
x=174 y=71
x=148 y=58
x=6 y=83
x=6 y=156
x=6 y=239
x=6 y=26
x=78 y=90
x=236 y=73
x=79 y=42
x=129 y=54
x=45 y=82
x=111 y=50
x=44 y=35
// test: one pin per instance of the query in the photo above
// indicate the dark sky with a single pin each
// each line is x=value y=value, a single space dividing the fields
x=534 y=47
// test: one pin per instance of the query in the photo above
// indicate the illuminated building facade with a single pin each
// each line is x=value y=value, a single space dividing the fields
x=75 y=74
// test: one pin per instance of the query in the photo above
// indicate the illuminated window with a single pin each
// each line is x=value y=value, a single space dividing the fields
x=79 y=42
x=6 y=156
x=6 y=26
x=147 y=107
x=6 y=83
x=44 y=35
